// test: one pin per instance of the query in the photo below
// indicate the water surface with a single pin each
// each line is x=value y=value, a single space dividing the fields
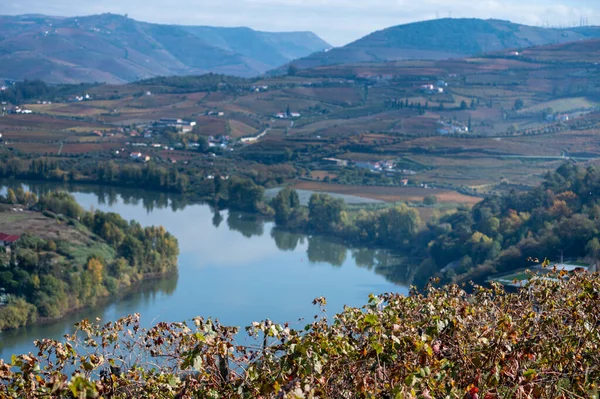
x=232 y=266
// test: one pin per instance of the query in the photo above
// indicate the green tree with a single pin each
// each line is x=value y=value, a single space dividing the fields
x=245 y=195
x=325 y=213
x=203 y=145
x=398 y=225
x=430 y=200
x=11 y=196
x=519 y=104
x=284 y=205
x=463 y=105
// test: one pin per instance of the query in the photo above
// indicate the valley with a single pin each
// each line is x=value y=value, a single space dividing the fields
x=475 y=126
x=447 y=170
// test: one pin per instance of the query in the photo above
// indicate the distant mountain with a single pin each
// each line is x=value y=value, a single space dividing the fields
x=115 y=49
x=441 y=39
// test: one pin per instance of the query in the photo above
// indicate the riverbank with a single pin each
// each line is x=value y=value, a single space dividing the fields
x=106 y=300
x=64 y=259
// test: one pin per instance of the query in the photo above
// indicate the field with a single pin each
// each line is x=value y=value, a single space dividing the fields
x=20 y=222
x=360 y=113
x=389 y=194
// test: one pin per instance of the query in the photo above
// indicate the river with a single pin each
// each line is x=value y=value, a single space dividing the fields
x=232 y=266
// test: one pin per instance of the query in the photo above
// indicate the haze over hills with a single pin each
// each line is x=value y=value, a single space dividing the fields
x=115 y=49
x=442 y=39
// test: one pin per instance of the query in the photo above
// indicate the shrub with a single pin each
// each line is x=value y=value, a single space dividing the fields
x=540 y=342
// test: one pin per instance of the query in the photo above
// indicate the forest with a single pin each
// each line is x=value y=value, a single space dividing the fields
x=29 y=90
x=97 y=255
x=562 y=216
x=190 y=181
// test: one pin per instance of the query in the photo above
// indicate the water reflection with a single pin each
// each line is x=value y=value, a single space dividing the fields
x=217 y=219
x=248 y=225
x=326 y=251
x=108 y=195
x=237 y=267
x=287 y=241
x=392 y=266
x=140 y=295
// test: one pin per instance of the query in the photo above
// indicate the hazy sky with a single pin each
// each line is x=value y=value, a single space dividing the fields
x=337 y=21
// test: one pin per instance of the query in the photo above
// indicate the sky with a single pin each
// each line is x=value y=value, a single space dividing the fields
x=337 y=21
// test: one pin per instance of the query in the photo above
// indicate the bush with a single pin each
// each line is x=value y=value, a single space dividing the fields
x=540 y=342
x=430 y=200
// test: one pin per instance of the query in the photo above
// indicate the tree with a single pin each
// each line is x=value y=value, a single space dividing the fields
x=288 y=112
x=325 y=213
x=519 y=104
x=398 y=225
x=284 y=205
x=203 y=145
x=430 y=200
x=244 y=194
x=292 y=70
x=593 y=248
x=463 y=105
x=11 y=196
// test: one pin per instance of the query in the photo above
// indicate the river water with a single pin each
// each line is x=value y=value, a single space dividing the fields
x=232 y=266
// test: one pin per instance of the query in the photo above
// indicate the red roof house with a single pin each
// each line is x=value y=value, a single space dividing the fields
x=7 y=239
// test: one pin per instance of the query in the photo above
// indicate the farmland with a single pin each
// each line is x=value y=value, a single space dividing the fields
x=497 y=122
x=389 y=194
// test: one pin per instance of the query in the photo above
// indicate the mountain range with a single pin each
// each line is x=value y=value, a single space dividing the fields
x=442 y=39
x=116 y=49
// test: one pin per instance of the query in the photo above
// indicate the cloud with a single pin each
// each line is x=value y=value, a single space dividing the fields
x=338 y=21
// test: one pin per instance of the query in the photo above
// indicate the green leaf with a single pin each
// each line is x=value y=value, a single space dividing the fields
x=530 y=374
x=410 y=380
x=378 y=348
x=371 y=319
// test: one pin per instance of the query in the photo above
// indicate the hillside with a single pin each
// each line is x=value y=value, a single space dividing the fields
x=442 y=39
x=115 y=49
x=65 y=258
x=470 y=138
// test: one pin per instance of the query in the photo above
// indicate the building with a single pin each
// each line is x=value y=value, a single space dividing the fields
x=335 y=161
x=7 y=240
x=181 y=125
x=452 y=127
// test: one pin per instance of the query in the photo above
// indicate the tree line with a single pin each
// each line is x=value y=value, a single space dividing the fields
x=561 y=217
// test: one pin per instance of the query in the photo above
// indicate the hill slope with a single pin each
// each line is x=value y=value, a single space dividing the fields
x=116 y=49
x=444 y=38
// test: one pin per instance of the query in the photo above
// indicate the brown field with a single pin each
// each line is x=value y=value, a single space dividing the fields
x=212 y=126
x=35 y=223
x=46 y=122
x=322 y=174
x=35 y=148
x=83 y=148
x=335 y=95
x=178 y=155
x=389 y=194
x=239 y=129
x=37 y=135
